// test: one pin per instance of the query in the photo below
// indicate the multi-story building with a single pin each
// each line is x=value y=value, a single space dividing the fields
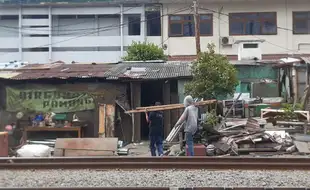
x=101 y=30
x=241 y=28
x=95 y=31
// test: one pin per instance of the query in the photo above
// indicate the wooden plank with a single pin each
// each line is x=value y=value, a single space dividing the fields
x=74 y=153
x=161 y=106
x=102 y=120
x=302 y=115
x=85 y=146
x=168 y=107
x=109 y=124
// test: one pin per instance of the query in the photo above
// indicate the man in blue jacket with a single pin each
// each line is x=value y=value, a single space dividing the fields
x=156 y=127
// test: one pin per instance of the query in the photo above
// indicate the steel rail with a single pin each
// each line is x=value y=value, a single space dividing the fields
x=153 y=159
x=157 y=163
x=158 y=188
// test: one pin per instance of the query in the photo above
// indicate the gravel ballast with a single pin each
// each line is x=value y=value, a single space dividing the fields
x=153 y=178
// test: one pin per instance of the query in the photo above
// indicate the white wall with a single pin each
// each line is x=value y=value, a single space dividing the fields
x=282 y=43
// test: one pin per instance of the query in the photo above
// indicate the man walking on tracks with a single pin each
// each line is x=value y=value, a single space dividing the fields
x=190 y=117
x=155 y=120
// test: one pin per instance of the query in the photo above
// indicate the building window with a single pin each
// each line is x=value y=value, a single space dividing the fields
x=134 y=25
x=37 y=49
x=9 y=17
x=253 y=23
x=250 y=46
x=35 y=16
x=153 y=21
x=184 y=25
x=301 y=22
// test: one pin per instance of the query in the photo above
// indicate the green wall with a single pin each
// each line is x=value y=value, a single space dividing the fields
x=256 y=72
x=247 y=74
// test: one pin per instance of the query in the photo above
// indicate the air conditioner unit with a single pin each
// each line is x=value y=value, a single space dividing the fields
x=250 y=51
x=226 y=40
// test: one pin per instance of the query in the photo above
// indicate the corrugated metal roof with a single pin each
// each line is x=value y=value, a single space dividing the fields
x=140 y=70
x=61 y=71
x=132 y=70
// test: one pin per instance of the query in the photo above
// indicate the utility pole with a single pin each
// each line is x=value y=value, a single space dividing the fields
x=197 y=27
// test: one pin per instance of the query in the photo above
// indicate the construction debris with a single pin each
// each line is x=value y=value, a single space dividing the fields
x=251 y=138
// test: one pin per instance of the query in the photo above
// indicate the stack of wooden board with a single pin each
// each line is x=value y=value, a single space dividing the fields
x=167 y=107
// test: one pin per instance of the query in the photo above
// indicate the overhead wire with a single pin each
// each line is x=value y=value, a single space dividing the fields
x=259 y=38
x=162 y=43
x=107 y=28
x=210 y=10
x=59 y=26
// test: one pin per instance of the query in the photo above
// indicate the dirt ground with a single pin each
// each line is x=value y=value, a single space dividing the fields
x=139 y=149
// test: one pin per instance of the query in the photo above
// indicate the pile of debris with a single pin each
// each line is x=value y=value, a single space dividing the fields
x=244 y=139
x=249 y=138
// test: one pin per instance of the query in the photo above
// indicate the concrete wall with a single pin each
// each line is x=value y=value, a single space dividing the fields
x=282 y=43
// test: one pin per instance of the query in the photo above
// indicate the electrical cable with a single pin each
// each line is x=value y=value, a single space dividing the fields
x=112 y=27
x=252 y=34
x=162 y=43
x=59 y=26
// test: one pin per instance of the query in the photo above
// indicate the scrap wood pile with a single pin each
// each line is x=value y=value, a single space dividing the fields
x=251 y=138
x=247 y=139
x=244 y=139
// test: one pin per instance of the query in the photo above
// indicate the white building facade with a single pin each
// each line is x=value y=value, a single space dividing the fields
x=90 y=32
x=241 y=28
x=101 y=32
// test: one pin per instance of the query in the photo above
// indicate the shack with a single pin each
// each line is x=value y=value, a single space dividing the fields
x=94 y=96
x=149 y=82
x=71 y=92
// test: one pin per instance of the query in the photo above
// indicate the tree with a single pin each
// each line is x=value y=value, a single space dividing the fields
x=213 y=76
x=138 y=51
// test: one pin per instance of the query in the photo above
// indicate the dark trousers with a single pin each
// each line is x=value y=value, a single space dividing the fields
x=156 y=142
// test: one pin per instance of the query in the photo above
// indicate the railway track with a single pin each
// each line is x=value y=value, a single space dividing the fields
x=156 y=188
x=156 y=163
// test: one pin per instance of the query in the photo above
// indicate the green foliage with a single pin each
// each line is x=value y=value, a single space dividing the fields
x=138 y=51
x=289 y=109
x=212 y=118
x=213 y=76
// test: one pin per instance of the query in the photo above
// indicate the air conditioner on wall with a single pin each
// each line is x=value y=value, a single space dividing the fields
x=249 y=51
x=227 y=40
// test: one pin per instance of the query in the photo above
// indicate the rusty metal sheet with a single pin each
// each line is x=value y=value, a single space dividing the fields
x=62 y=71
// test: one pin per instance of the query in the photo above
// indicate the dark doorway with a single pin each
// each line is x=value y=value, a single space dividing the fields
x=151 y=92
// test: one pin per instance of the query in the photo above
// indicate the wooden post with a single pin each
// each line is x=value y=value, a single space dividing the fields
x=305 y=127
x=135 y=88
x=307 y=74
x=295 y=84
x=167 y=114
x=197 y=27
